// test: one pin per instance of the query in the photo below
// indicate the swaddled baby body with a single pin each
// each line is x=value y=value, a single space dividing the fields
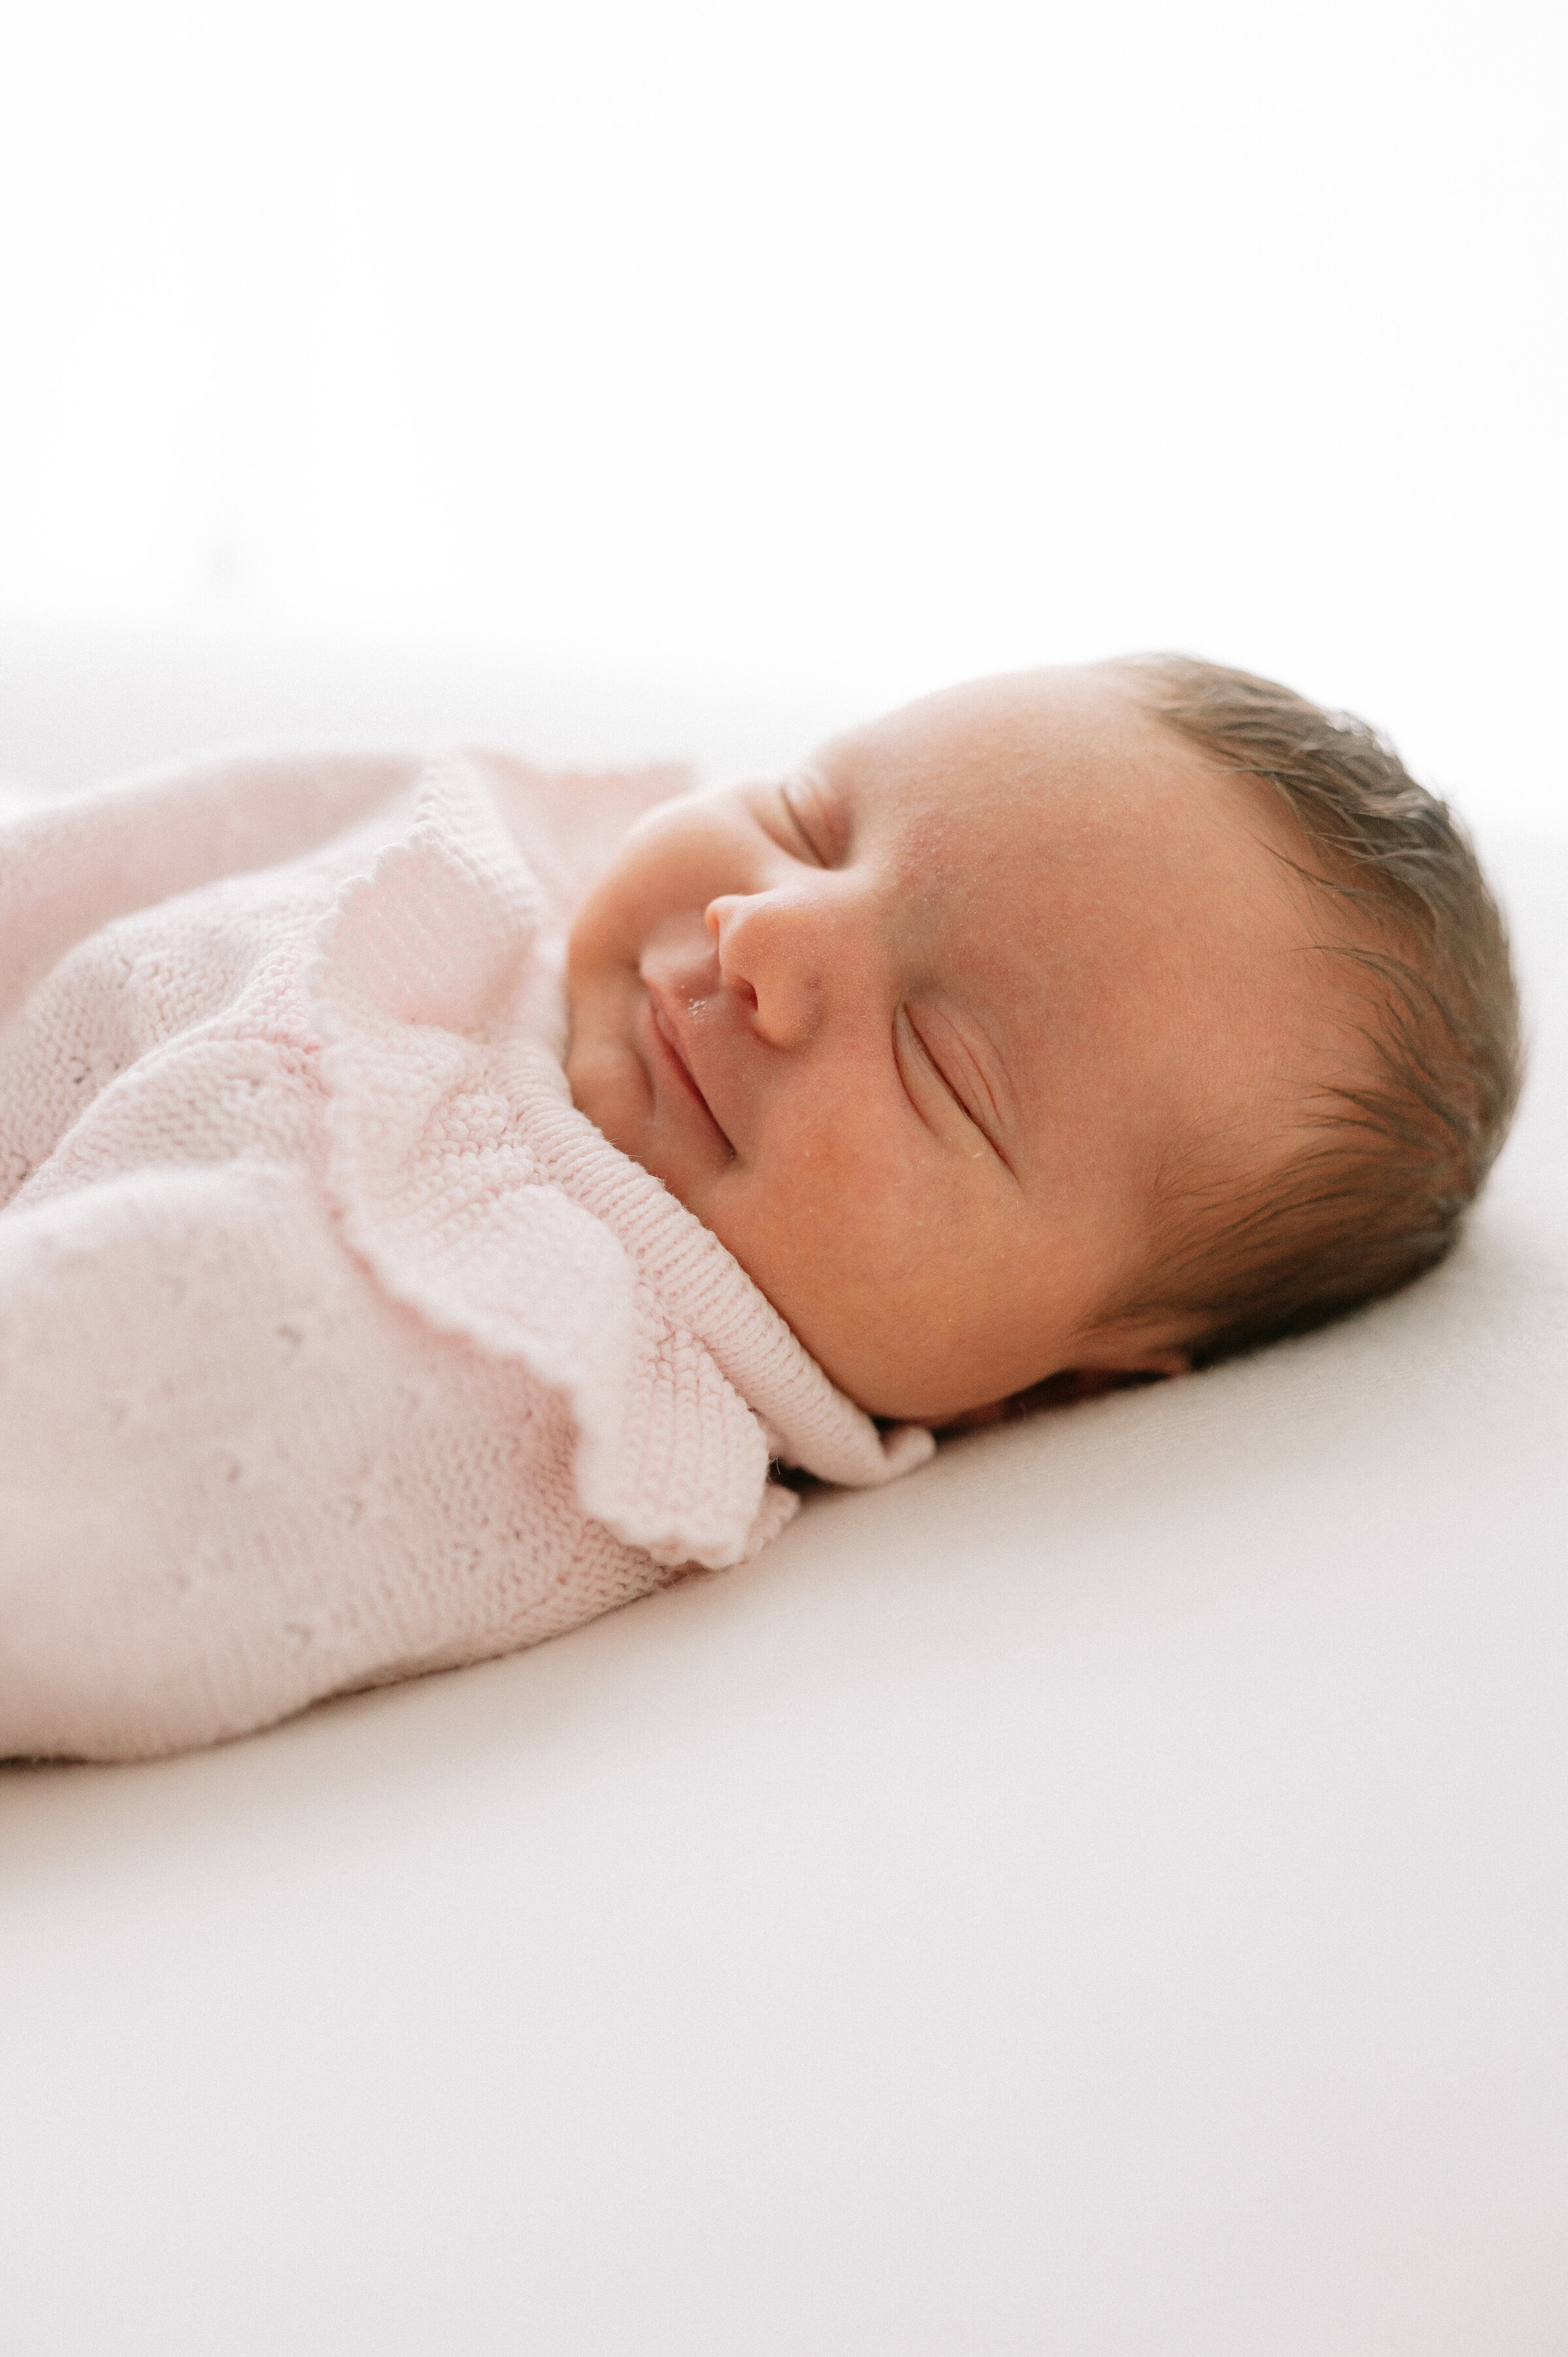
x=430 y=1207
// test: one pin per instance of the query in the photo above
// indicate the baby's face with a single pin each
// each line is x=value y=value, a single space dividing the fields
x=911 y=1028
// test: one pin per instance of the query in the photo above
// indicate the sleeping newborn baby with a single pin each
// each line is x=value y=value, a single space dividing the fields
x=438 y=1202
x=1097 y=1020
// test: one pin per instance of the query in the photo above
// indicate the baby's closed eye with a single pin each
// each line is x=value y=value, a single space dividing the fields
x=816 y=817
x=932 y=1091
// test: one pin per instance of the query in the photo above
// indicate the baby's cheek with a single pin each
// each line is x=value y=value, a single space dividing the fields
x=840 y=1210
x=602 y=929
x=832 y=1160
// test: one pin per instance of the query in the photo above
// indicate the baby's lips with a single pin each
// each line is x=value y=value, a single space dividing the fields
x=673 y=1038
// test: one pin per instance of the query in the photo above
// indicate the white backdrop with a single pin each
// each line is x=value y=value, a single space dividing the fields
x=843 y=341
x=1106 y=1895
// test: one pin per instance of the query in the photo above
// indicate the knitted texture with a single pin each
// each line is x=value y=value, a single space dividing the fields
x=335 y=1344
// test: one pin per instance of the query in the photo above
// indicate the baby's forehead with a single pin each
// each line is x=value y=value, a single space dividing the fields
x=1066 y=751
x=1077 y=810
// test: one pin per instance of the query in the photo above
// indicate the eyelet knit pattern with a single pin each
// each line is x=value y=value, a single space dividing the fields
x=335 y=1344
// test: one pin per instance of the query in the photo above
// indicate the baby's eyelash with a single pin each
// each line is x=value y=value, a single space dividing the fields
x=811 y=821
x=916 y=1045
x=796 y=824
x=902 y=1021
x=793 y=823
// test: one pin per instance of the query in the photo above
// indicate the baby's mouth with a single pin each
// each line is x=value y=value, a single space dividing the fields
x=668 y=1037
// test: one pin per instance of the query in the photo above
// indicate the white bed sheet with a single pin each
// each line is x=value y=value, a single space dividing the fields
x=1107 y=1895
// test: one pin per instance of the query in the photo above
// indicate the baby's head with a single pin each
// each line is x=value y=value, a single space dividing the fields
x=1102 y=1020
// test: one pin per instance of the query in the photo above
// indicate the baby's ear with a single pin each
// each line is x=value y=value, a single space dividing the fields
x=1074 y=1384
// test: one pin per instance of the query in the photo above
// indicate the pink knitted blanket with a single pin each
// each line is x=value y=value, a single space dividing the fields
x=335 y=1344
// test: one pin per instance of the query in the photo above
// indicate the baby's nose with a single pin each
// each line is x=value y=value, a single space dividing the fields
x=774 y=955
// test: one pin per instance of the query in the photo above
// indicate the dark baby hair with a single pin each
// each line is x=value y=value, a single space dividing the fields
x=1380 y=1193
